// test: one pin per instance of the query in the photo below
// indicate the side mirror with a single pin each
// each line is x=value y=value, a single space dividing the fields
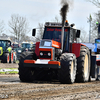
x=33 y=32
x=78 y=33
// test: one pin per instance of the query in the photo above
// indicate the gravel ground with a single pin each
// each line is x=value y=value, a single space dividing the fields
x=12 y=89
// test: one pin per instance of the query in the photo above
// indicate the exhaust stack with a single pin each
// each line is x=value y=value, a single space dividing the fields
x=62 y=38
x=63 y=13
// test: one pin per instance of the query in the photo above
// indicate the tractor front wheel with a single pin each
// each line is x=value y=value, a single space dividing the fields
x=67 y=72
x=26 y=74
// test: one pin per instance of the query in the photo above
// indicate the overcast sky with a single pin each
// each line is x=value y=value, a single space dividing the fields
x=40 y=11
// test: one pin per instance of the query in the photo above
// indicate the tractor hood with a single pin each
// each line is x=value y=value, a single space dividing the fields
x=1 y=51
x=47 y=49
x=50 y=43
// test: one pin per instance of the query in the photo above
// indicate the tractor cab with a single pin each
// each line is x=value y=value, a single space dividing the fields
x=27 y=46
x=53 y=40
x=4 y=44
x=53 y=32
x=6 y=52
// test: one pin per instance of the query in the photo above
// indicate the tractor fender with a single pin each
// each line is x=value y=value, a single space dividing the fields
x=76 y=48
x=37 y=48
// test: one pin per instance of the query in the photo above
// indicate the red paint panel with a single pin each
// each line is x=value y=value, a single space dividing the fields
x=54 y=62
x=56 y=44
x=76 y=49
x=37 y=48
x=29 y=61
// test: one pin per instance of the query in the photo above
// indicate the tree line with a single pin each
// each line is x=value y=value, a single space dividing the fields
x=19 y=28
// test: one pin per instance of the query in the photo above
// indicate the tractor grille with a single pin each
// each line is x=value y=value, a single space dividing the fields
x=45 y=54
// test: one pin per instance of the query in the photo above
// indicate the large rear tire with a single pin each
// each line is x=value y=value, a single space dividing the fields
x=26 y=73
x=6 y=58
x=67 y=72
x=83 y=65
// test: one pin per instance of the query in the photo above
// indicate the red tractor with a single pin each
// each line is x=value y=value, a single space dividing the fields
x=58 y=56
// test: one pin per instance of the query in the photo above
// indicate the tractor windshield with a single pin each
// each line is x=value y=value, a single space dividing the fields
x=54 y=33
x=26 y=45
x=4 y=44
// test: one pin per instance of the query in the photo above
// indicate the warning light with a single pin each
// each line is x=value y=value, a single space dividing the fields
x=66 y=23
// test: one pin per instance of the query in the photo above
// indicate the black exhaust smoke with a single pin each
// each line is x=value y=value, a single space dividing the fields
x=64 y=10
x=63 y=13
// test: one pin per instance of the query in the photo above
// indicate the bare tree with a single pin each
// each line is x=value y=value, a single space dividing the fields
x=19 y=26
x=39 y=32
x=83 y=36
x=94 y=26
x=1 y=27
x=94 y=32
x=95 y=2
x=56 y=19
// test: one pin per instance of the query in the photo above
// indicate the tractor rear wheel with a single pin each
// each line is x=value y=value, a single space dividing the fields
x=26 y=73
x=6 y=58
x=83 y=65
x=67 y=72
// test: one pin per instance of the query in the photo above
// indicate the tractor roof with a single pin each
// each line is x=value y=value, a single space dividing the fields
x=55 y=24
x=25 y=42
x=5 y=39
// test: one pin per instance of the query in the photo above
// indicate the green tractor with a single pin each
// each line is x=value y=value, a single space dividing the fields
x=6 y=52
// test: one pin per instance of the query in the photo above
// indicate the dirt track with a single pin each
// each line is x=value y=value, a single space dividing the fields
x=12 y=89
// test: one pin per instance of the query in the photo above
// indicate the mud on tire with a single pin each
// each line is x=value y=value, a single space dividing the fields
x=67 y=72
x=83 y=65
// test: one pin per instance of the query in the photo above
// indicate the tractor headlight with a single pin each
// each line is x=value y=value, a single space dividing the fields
x=49 y=54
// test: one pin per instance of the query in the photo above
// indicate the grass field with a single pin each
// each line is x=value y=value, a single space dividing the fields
x=8 y=71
